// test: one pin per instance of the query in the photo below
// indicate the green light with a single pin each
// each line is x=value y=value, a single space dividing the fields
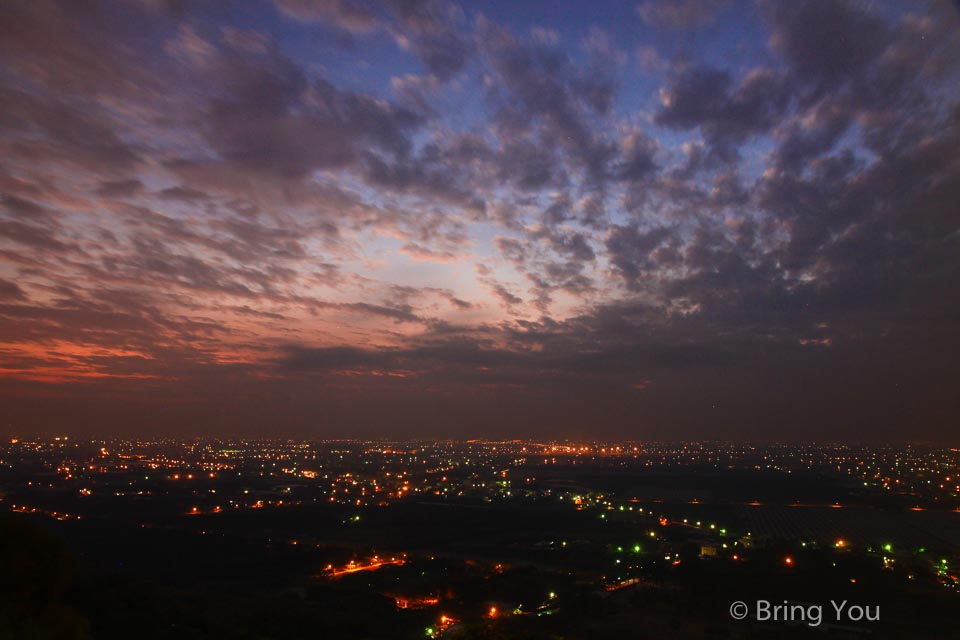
x=429 y=631
x=888 y=547
x=636 y=548
x=922 y=550
x=619 y=549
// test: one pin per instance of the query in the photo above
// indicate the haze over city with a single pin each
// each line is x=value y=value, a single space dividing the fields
x=629 y=220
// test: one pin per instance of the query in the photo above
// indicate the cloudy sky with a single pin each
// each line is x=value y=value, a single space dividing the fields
x=680 y=219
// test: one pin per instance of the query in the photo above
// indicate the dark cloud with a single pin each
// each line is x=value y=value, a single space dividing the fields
x=11 y=291
x=22 y=208
x=573 y=244
x=434 y=30
x=528 y=165
x=541 y=94
x=512 y=249
x=307 y=359
x=813 y=135
x=633 y=251
x=424 y=176
x=120 y=188
x=727 y=114
x=827 y=43
x=504 y=294
x=680 y=14
x=185 y=194
x=271 y=118
x=55 y=131
x=398 y=314
x=639 y=161
x=37 y=237
x=71 y=47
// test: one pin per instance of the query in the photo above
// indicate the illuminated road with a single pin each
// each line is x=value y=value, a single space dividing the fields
x=356 y=568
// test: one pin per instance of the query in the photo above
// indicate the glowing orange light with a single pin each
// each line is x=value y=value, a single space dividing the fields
x=493 y=612
x=788 y=561
x=415 y=603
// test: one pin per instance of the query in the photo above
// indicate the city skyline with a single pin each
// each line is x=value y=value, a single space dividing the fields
x=481 y=539
x=677 y=220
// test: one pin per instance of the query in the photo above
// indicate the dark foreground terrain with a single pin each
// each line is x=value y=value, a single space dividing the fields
x=503 y=547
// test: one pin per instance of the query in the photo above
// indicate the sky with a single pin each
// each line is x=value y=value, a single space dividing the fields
x=621 y=220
